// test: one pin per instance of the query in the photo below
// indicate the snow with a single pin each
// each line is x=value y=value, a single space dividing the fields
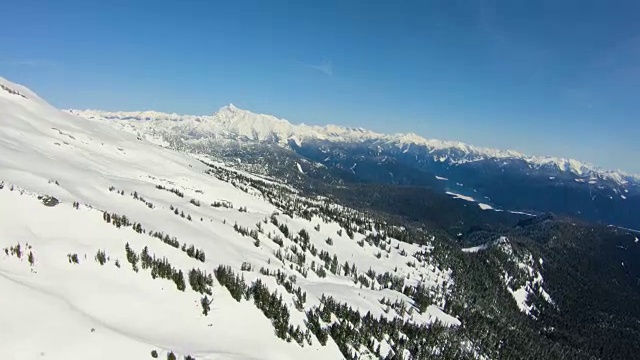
x=485 y=206
x=482 y=206
x=299 y=168
x=441 y=178
x=435 y=312
x=461 y=197
x=231 y=122
x=78 y=311
x=520 y=296
x=525 y=265
x=521 y=213
x=475 y=249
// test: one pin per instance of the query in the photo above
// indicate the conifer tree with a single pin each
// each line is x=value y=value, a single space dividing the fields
x=205 y=305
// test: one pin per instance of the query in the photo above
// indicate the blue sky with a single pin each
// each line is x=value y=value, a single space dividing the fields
x=543 y=77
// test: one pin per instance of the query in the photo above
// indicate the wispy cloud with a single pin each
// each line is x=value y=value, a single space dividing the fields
x=326 y=67
x=34 y=63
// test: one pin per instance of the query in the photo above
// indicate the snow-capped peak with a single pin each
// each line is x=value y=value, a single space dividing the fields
x=232 y=121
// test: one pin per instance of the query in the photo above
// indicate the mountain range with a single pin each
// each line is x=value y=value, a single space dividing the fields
x=499 y=179
x=132 y=239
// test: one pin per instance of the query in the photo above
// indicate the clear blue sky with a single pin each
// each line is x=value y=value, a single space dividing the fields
x=543 y=77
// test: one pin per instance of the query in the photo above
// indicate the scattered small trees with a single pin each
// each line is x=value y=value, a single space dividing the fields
x=73 y=258
x=101 y=257
x=246 y=266
x=132 y=257
x=173 y=190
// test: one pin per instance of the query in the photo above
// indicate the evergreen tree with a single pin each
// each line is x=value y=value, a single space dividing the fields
x=101 y=257
x=205 y=305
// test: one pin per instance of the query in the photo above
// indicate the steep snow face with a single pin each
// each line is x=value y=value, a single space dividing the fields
x=233 y=122
x=65 y=304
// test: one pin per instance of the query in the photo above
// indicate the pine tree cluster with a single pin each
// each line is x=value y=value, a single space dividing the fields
x=172 y=190
x=233 y=282
x=224 y=204
x=73 y=258
x=165 y=238
x=101 y=257
x=354 y=330
x=271 y=304
x=192 y=252
x=200 y=281
x=159 y=268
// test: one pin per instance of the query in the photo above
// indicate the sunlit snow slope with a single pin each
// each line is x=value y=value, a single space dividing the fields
x=58 y=302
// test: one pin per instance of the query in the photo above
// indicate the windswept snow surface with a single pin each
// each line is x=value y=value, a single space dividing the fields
x=60 y=310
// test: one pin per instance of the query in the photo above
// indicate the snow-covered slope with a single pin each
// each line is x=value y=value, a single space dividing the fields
x=86 y=282
x=232 y=122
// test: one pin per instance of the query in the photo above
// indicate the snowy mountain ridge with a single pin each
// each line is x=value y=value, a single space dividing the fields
x=109 y=245
x=114 y=247
x=232 y=121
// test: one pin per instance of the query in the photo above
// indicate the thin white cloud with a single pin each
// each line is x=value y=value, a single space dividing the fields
x=325 y=68
x=35 y=63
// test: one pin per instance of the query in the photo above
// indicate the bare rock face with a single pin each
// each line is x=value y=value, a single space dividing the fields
x=49 y=201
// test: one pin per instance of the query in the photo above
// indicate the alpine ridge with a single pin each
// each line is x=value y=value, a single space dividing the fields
x=231 y=121
x=114 y=247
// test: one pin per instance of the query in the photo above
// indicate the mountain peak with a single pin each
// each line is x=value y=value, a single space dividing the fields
x=230 y=120
x=231 y=108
